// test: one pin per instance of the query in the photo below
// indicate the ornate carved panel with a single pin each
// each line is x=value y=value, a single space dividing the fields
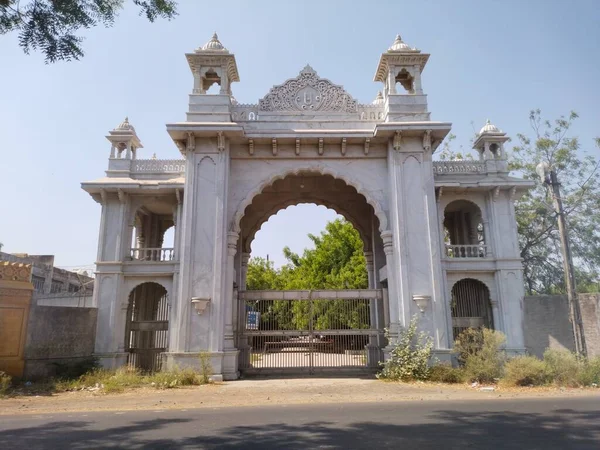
x=308 y=92
x=15 y=271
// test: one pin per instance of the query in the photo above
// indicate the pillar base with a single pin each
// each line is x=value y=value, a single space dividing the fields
x=112 y=361
x=442 y=355
x=223 y=365
x=374 y=355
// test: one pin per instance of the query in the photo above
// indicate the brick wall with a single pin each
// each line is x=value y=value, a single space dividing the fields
x=58 y=336
x=547 y=325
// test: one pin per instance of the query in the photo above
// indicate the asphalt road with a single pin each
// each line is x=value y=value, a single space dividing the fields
x=558 y=423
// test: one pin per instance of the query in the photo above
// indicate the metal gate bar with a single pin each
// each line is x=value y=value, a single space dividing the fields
x=296 y=331
x=471 y=306
x=148 y=325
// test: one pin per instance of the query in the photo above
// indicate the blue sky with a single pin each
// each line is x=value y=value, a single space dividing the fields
x=492 y=59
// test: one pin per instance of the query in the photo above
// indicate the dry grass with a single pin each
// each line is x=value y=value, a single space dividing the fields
x=127 y=377
x=108 y=381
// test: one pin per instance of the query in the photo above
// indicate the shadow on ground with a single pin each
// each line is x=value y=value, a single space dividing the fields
x=557 y=429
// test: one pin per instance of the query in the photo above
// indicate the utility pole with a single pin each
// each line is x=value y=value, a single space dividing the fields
x=549 y=177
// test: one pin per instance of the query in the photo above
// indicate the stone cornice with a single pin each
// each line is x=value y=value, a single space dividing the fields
x=399 y=59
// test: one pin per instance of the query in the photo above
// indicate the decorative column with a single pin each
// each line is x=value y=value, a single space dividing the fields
x=370 y=270
x=417 y=80
x=120 y=232
x=373 y=354
x=177 y=224
x=393 y=290
x=232 y=240
x=245 y=259
x=497 y=321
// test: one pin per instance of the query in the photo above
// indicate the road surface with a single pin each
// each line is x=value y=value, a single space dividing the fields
x=554 y=423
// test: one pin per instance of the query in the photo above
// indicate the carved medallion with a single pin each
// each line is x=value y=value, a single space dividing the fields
x=308 y=92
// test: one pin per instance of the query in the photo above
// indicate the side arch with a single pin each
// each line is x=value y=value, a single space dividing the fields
x=321 y=170
x=470 y=305
x=147 y=325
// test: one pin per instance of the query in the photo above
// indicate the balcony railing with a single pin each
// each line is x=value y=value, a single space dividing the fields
x=158 y=166
x=466 y=251
x=152 y=254
x=458 y=167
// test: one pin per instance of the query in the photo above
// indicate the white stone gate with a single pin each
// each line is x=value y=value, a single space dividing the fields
x=424 y=224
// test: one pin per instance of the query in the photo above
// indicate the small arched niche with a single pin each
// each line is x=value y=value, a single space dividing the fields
x=464 y=234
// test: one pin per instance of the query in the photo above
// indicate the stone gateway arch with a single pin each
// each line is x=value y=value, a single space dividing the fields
x=439 y=238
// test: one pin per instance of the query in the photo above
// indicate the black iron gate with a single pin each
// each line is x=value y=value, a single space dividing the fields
x=471 y=306
x=309 y=331
x=147 y=326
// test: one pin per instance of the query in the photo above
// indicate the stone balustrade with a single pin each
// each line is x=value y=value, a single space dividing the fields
x=458 y=167
x=152 y=254
x=158 y=166
x=466 y=251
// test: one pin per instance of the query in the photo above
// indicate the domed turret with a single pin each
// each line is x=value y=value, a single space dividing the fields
x=489 y=127
x=379 y=99
x=214 y=45
x=212 y=63
x=125 y=125
x=400 y=46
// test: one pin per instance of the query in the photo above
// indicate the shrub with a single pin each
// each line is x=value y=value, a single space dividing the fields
x=481 y=354
x=445 y=373
x=409 y=358
x=5 y=383
x=590 y=372
x=563 y=367
x=468 y=343
x=206 y=370
x=525 y=371
x=174 y=378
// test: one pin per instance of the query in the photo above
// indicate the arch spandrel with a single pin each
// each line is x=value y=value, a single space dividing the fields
x=374 y=199
x=308 y=188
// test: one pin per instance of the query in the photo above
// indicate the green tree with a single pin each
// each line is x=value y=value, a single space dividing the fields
x=336 y=262
x=262 y=275
x=539 y=239
x=52 y=25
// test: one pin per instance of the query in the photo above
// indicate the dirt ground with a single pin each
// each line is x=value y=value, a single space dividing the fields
x=258 y=391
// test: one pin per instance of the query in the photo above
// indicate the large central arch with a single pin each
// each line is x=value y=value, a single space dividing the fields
x=285 y=345
x=314 y=188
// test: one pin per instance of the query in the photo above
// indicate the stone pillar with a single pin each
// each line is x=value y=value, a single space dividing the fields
x=243 y=342
x=203 y=260
x=372 y=303
x=109 y=297
x=392 y=80
x=230 y=357
x=416 y=239
x=245 y=259
x=393 y=295
x=232 y=238
x=509 y=277
x=370 y=270
x=417 y=81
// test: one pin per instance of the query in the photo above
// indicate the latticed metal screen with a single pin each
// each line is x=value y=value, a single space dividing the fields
x=148 y=324
x=471 y=306
x=307 y=331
